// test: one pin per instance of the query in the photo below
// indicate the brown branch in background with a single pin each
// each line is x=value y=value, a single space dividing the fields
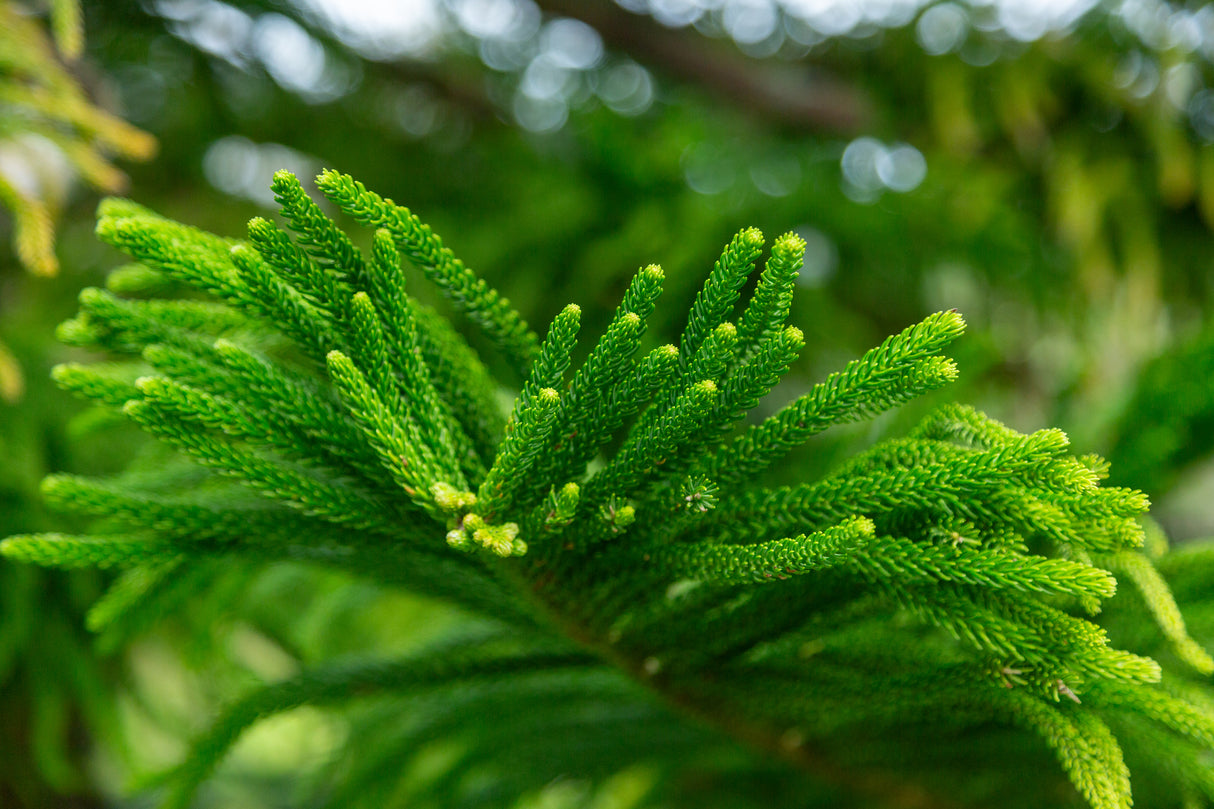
x=787 y=94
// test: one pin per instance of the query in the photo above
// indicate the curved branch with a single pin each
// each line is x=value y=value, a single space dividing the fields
x=791 y=95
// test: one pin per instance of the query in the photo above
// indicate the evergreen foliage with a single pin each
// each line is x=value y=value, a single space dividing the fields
x=44 y=108
x=937 y=592
x=1168 y=420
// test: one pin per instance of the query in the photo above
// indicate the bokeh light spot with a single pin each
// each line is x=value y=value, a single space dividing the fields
x=1201 y=114
x=676 y=13
x=901 y=168
x=859 y=163
x=545 y=79
x=296 y=61
x=942 y=28
x=540 y=114
x=382 y=30
x=750 y=21
x=242 y=168
x=626 y=88
x=572 y=44
x=484 y=19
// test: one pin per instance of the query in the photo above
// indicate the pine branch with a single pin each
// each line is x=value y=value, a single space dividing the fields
x=772 y=301
x=483 y=305
x=342 y=682
x=936 y=584
x=721 y=291
x=902 y=367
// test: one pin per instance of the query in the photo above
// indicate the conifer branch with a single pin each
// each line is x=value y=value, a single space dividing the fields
x=1084 y=746
x=111 y=384
x=1158 y=599
x=300 y=320
x=902 y=367
x=778 y=559
x=469 y=390
x=578 y=433
x=640 y=459
x=721 y=291
x=401 y=448
x=939 y=580
x=137 y=586
x=769 y=308
x=482 y=304
x=525 y=443
x=343 y=682
x=277 y=481
x=61 y=550
x=317 y=233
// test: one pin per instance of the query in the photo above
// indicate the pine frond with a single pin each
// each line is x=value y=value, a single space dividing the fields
x=901 y=368
x=45 y=109
x=68 y=551
x=1162 y=606
x=936 y=585
x=482 y=304
x=339 y=683
x=721 y=291
x=769 y=308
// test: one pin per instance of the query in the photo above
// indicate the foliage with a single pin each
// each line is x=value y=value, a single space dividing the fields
x=48 y=127
x=54 y=690
x=1065 y=209
x=935 y=592
x=1168 y=422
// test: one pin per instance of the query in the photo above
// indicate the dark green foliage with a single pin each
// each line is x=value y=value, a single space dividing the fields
x=933 y=590
x=1168 y=422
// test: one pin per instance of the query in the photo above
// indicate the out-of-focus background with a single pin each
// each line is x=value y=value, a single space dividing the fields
x=1044 y=166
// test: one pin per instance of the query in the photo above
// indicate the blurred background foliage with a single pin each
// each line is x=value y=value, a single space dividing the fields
x=1045 y=167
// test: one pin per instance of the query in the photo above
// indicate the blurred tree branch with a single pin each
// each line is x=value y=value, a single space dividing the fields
x=791 y=95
